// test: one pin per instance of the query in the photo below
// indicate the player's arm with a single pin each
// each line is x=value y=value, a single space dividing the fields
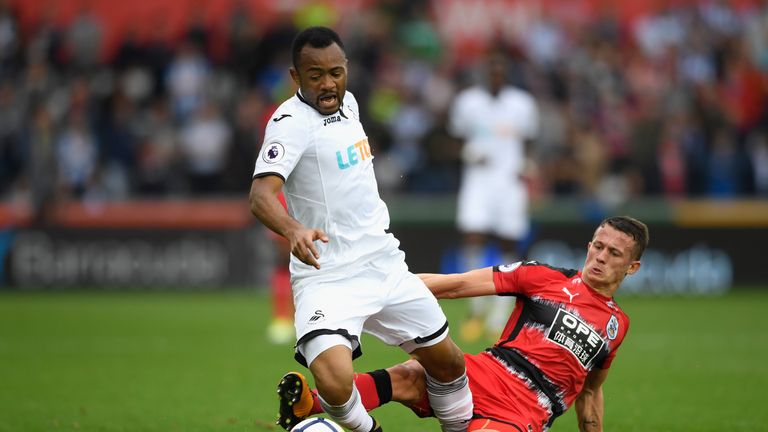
x=589 y=404
x=266 y=206
x=459 y=285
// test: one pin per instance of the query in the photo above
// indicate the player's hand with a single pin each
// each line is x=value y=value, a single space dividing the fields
x=303 y=245
x=472 y=156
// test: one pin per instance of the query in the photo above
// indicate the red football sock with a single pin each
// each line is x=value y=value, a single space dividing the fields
x=369 y=391
x=366 y=386
x=316 y=407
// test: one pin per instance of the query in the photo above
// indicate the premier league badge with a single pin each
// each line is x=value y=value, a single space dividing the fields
x=273 y=152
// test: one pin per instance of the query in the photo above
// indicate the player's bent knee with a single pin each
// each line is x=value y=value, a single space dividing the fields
x=335 y=388
x=443 y=361
x=333 y=374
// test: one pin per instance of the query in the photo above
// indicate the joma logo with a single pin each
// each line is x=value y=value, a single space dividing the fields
x=331 y=119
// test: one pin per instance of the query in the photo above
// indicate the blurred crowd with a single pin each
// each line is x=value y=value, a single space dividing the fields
x=670 y=104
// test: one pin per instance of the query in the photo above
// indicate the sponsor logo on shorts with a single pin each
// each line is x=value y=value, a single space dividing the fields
x=578 y=338
x=318 y=317
x=273 y=152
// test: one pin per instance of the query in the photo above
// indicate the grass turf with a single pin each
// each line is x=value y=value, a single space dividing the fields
x=199 y=362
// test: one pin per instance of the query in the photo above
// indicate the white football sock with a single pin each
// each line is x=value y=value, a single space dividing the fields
x=451 y=403
x=352 y=415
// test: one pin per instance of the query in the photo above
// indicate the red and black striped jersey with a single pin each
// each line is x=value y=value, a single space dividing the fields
x=559 y=331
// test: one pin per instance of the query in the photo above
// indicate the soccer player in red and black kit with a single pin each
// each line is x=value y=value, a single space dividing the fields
x=556 y=348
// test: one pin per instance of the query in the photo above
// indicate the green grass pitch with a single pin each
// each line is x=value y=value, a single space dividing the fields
x=199 y=362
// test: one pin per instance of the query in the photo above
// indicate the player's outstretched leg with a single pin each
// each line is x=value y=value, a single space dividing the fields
x=296 y=399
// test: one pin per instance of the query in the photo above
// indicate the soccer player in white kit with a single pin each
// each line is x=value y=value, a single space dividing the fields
x=496 y=121
x=348 y=274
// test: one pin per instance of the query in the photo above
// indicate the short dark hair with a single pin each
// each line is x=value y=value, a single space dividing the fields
x=316 y=37
x=632 y=227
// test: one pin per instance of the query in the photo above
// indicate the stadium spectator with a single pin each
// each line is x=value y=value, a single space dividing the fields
x=11 y=122
x=758 y=148
x=249 y=121
x=187 y=79
x=10 y=44
x=158 y=153
x=348 y=274
x=498 y=123
x=556 y=349
x=77 y=153
x=38 y=157
x=204 y=146
x=84 y=39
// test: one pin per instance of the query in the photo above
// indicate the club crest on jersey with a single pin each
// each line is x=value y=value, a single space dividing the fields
x=273 y=152
x=612 y=328
x=507 y=268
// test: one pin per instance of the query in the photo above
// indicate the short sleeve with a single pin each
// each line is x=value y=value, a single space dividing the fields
x=527 y=278
x=285 y=140
x=508 y=278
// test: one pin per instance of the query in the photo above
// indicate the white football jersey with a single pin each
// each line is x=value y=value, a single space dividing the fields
x=494 y=128
x=326 y=163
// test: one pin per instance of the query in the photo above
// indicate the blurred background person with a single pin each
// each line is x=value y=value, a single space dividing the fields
x=497 y=122
x=281 y=330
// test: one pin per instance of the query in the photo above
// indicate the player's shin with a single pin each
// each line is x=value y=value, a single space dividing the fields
x=451 y=402
x=351 y=415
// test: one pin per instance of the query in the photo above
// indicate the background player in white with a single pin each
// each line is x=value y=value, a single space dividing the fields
x=497 y=122
x=348 y=274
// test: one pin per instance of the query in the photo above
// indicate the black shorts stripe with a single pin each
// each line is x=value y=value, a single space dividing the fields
x=421 y=340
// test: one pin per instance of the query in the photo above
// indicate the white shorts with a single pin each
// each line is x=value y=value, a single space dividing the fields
x=499 y=208
x=381 y=298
